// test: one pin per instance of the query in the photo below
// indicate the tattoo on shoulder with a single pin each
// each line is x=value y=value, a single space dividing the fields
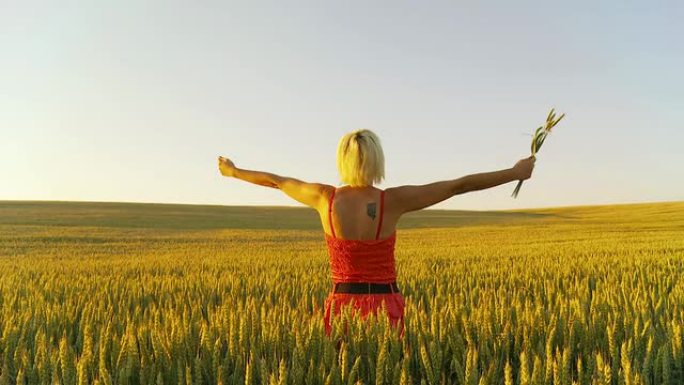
x=370 y=209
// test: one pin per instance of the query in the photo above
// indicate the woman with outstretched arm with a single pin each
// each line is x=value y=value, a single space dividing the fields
x=359 y=220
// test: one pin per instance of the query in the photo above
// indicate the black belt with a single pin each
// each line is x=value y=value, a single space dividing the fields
x=365 y=288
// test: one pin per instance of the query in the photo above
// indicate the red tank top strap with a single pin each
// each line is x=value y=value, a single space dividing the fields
x=332 y=196
x=382 y=207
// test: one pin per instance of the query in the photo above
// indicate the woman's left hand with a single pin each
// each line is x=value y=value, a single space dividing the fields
x=226 y=166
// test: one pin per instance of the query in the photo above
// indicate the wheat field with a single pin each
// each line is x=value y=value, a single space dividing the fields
x=115 y=293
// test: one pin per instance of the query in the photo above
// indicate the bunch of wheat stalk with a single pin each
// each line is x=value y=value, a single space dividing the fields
x=538 y=139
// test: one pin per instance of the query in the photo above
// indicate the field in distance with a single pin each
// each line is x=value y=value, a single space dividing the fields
x=118 y=293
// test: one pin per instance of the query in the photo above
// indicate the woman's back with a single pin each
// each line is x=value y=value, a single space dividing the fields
x=361 y=251
x=358 y=213
x=361 y=259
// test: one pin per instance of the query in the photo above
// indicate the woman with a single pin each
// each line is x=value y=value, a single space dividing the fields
x=359 y=220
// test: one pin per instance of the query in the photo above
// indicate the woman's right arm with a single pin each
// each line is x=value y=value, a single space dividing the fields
x=412 y=198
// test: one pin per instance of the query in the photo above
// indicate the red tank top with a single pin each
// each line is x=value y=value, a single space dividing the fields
x=357 y=260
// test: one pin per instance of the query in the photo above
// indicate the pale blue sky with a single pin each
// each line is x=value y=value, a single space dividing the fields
x=134 y=100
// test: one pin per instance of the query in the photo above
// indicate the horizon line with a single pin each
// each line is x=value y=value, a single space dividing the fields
x=301 y=206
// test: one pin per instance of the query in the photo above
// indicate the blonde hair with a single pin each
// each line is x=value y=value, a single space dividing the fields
x=360 y=160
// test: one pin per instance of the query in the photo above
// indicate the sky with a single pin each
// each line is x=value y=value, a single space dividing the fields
x=133 y=101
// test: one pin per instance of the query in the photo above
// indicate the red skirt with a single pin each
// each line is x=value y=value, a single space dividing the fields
x=367 y=304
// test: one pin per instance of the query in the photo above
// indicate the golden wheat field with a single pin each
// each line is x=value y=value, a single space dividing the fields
x=112 y=293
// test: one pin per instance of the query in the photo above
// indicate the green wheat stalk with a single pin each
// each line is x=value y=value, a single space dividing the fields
x=538 y=139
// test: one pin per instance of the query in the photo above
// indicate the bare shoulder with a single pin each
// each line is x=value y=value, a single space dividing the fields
x=313 y=195
x=325 y=189
x=395 y=199
x=319 y=188
x=417 y=197
x=325 y=192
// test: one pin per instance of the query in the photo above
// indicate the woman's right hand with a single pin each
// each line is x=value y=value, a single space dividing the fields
x=523 y=168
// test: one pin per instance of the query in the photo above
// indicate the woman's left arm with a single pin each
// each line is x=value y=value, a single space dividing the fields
x=307 y=193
